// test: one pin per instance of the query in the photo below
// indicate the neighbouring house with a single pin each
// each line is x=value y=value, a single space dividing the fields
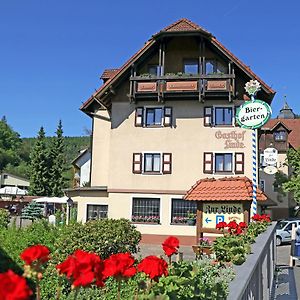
x=10 y=180
x=82 y=166
x=162 y=122
x=282 y=133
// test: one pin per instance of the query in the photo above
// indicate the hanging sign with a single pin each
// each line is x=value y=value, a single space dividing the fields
x=253 y=114
x=270 y=156
x=270 y=170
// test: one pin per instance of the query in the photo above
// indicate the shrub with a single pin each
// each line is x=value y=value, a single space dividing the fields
x=231 y=248
x=103 y=237
x=4 y=218
x=201 y=279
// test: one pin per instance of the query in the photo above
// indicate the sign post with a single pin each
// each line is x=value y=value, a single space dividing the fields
x=253 y=115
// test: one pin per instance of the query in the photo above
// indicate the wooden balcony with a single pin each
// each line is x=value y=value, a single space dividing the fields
x=182 y=86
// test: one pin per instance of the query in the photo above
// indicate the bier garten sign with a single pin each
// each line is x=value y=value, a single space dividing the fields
x=253 y=114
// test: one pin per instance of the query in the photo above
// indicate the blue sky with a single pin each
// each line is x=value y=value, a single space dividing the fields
x=53 y=52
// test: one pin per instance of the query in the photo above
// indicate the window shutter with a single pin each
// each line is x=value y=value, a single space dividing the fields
x=234 y=116
x=208 y=162
x=239 y=163
x=167 y=163
x=137 y=163
x=139 y=113
x=168 y=116
x=208 y=116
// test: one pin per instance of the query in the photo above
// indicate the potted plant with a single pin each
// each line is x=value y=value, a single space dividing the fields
x=191 y=218
x=203 y=247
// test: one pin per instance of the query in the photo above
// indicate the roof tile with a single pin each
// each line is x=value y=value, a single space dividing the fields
x=223 y=189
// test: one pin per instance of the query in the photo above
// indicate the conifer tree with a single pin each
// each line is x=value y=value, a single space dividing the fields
x=32 y=211
x=39 y=167
x=58 y=162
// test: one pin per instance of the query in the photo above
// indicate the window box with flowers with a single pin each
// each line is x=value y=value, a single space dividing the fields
x=145 y=219
x=191 y=218
x=179 y=220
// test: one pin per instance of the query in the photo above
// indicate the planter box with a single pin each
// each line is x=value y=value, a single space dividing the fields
x=146 y=87
x=217 y=85
x=200 y=250
x=178 y=86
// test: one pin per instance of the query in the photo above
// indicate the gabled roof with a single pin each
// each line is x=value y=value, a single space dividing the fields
x=180 y=26
x=108 y=73
x=223 y=189
x=183 y=25
x=81 y=154
x=293 y=126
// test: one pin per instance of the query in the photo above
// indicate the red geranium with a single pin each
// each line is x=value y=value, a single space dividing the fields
x=261 y=218
x=153 y=266
x=13 y=287
x=37 y=254
x=221 y=225
x=83 y=269
x=170 y=245
x=119 y=265
x=243 y=225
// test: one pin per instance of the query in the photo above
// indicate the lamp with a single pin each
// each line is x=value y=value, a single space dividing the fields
x=69 y=205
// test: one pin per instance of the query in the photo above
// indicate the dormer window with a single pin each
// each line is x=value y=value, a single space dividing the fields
x=191 y=66
x=280 y=136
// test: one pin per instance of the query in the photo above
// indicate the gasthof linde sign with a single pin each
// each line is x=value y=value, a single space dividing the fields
x=232 y=139
x=213 y=213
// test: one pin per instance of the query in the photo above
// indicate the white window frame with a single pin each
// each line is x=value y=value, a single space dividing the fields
x=160 y=165
x=232 y=163
x=145 y=116
x=95 y=203
x=214 y=116
x=150 y=197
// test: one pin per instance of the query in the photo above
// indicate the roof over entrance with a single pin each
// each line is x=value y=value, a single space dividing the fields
x=223 y=189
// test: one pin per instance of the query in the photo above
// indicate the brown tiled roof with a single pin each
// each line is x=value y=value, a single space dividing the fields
x=291 y=124
x=109 y=73
x=223 y=189
x=181 y=25
x=242 y=65
x=184 y=25
x=123 y=68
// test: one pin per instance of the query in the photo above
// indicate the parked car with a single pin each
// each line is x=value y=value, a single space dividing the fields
x=284 y=230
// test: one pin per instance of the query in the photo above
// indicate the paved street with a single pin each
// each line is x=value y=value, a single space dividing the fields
x=288 y=279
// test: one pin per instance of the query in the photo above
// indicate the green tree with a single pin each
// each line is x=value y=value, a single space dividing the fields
x=58 y=162
x=32 y=211
x=10 y=144
x=39 y=167
x=293 y=184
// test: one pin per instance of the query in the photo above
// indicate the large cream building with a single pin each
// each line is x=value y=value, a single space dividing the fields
x=161 y=122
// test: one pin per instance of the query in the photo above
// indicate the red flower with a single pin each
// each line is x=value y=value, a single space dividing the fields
x=35 y=254
x=243 y=225
x=119 y=265
x=13 y=287
x=221 y=225
x=266 y=218
x=83 y=269
x=170 y=245
x=153 y=266
x=232 y=225
x=256 y=217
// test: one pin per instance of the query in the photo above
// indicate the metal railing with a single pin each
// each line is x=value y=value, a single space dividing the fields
x=254 y=278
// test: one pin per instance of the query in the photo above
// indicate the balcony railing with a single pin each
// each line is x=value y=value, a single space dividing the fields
x=175 y=86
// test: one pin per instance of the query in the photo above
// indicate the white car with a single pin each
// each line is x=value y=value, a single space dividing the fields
x=284 y=230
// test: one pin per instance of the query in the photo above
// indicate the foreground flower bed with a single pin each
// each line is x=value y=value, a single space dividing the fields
x=235 y=244
x=86 y=275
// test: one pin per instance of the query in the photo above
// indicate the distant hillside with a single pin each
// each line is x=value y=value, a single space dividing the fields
x=73 y=144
